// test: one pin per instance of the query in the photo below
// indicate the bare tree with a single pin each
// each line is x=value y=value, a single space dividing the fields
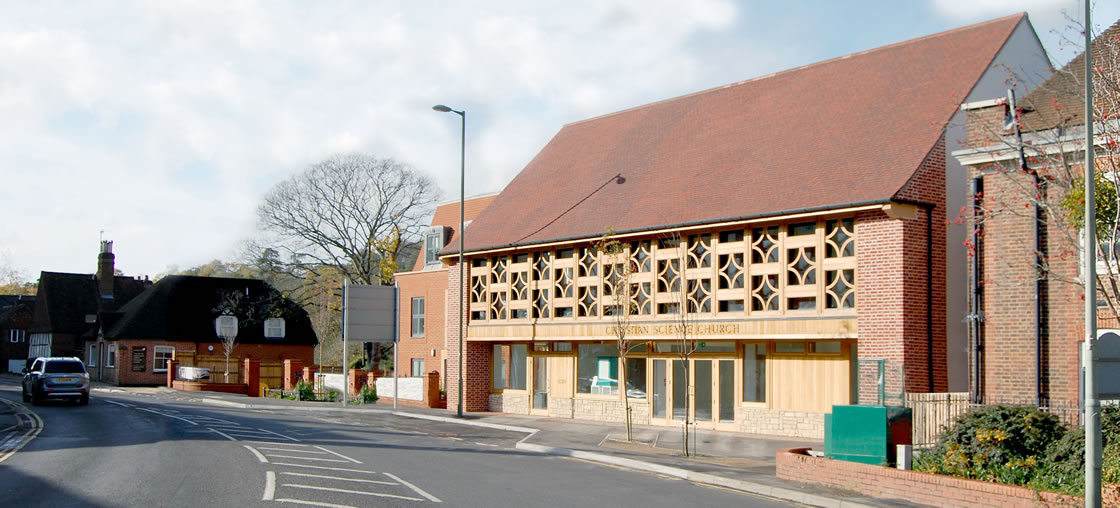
x=619 y=307
x=353 y=212
x=685 y=345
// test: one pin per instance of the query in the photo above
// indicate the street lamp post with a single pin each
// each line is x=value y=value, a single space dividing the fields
x=462 y=270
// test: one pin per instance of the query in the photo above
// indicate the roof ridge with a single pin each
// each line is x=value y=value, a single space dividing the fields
x=1019 y=15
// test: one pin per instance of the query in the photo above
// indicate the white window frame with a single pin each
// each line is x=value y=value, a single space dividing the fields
x=412 y=367
x=156 y=357
x=92 y=356
x=110 y=356
x=270 y=326
x=433 y=243
x=415 y=316
x=16 y=336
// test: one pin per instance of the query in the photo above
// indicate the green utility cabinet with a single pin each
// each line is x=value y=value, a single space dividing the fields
x=866 y=434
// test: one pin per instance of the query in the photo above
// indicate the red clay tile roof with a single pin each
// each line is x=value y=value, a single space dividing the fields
x=1060 y=99
x=447 y=214
x=848 y=130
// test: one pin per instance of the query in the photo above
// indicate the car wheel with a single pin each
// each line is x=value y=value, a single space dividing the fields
x=36 y=399
x=84 y=401
x=26 y=397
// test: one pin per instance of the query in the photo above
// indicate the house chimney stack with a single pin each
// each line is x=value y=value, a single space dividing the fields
x=105 y=269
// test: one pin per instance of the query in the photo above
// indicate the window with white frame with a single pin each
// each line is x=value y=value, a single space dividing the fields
x=92 y=355
x=110 y=356
x=163 y=355
x=418 y=317
x=417 y=367
x=433 y=242
x=274 y=328
x=15 y=336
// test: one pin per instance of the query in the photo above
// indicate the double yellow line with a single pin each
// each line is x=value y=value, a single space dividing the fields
x=16 y=441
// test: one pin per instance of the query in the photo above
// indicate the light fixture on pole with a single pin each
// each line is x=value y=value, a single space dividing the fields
x=462 y=270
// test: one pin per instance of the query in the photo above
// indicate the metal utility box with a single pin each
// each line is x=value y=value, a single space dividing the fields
x=866 y=434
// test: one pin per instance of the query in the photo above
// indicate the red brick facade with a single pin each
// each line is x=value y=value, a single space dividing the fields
x=432 y=287
x=898 y=279
x=125 y=374
x=476 y=357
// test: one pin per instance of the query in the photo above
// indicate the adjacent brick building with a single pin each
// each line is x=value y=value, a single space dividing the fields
x=423 y=332
x=1028 y=316
x=796 y=221
x=15 y=319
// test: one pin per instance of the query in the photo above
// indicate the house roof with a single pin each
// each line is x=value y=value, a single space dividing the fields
x=183 y=307
x=1060 y=99
x=447 y=214
x=845 y=131
x=65 y=299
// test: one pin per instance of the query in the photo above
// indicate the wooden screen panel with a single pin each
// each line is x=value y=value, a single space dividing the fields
x=808 y=382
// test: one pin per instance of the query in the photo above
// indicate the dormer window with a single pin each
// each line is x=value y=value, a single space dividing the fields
x=274 y=328
x=433 y=243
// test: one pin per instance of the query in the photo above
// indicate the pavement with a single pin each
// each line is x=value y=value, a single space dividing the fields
x=730 y=460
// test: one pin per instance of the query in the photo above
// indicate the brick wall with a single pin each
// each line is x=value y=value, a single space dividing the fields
x=915 y=487
x=1009 y=279
x=476 y=358
x=125 y=376
x=892 y=280
x=432 y=286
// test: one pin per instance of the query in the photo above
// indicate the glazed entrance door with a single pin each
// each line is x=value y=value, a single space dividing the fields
x=540 y=384
x=711 y=388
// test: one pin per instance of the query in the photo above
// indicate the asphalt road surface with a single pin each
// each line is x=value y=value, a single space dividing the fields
x=146 y=451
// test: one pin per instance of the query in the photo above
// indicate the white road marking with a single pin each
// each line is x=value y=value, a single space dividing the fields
x=167 y=415
x=356 y=461
x=314 y=503
x=258 y=454
x=340 y=478
x=275 y=442
x=289 y=450
x=289 y=438
x=223 y=434
x=309 y=466
x=269 y=486
x=484 y=444
x=453 y=438
x=317 y=459
x=16 y=442
x=346 y=491
x=117 y=403
x=418 y=490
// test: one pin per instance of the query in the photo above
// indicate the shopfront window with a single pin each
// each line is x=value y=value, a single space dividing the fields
x=754 y=373
x=636 y=378
x=597 y=367
x=498 y=368
x=518 y=366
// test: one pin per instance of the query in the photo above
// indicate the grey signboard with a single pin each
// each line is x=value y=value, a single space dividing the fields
x=370 y=313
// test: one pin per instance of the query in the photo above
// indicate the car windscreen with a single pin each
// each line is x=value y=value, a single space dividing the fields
x=65 y=367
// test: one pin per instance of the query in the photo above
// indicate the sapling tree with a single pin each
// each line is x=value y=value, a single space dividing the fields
x=619 y=306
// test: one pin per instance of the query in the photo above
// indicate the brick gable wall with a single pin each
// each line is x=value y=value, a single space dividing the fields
x=892 y=275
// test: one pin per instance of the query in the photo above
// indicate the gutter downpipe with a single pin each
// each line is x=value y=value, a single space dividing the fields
x=976 y=314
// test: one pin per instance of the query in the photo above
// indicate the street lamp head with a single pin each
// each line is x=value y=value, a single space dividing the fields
x=441 y=108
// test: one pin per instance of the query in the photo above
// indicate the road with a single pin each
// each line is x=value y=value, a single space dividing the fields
x=127 y=450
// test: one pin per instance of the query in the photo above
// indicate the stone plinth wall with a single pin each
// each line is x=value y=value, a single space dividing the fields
x=775 y=422
x=510 y=402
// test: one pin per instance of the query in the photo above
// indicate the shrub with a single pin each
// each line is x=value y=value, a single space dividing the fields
x=369 y=394
x=304 y=391
x=1000 y=443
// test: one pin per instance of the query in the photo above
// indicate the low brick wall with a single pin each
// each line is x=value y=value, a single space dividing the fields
x=194 y=386
x=915 y=487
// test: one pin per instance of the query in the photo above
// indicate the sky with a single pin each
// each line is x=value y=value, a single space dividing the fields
x=161 y=125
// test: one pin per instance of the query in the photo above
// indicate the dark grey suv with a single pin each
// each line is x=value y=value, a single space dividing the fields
x=51 y=378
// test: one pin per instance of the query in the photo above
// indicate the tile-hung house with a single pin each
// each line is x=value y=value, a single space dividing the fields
x=1029 y=322
x=424 y=292
x=68 y=305
x=803 y=214
x=15 y=318
x=177 y=314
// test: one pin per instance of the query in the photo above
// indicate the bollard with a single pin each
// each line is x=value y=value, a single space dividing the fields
x=904 y=456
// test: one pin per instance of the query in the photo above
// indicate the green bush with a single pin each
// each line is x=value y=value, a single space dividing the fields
x=1000 y=443
x=304 y=391
x=369 y=394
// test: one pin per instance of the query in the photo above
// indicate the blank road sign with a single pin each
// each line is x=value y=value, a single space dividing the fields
x=370 y=311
